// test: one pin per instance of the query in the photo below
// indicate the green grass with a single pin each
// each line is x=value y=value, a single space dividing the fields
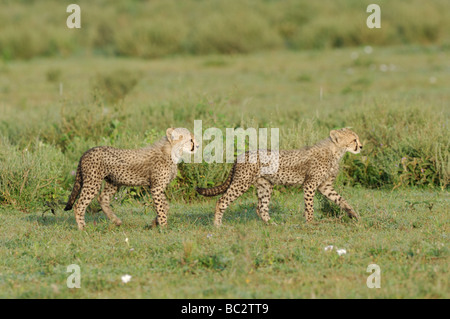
x=242 y=259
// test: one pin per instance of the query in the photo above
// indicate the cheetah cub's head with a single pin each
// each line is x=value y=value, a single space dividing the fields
x=182 y=141
x=346 y=138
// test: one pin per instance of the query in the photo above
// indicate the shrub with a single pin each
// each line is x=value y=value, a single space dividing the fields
x=420 y=171
x=32 y=176
x=114 y=86
x=53 y=75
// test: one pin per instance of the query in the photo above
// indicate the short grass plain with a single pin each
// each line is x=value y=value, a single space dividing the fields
x=245 y=258
x=403 y=230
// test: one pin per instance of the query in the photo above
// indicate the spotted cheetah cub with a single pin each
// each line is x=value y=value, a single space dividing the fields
x=154 y=166
x=314 y=167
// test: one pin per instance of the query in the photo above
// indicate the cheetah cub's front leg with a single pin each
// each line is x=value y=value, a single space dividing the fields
x=329 y=192
x=309 y=191
x=161 y=205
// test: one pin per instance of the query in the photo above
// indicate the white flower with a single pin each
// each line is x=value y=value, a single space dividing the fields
x=341 y=252
x=330 y=247
x=126 y=278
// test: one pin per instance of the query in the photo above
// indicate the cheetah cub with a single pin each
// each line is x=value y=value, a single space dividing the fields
x=314 y=167
x=154 y=166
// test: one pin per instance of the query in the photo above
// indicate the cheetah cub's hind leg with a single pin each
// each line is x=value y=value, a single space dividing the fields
x=105 y=198
x=161 y=205
x=236 y=189
x=89 y=189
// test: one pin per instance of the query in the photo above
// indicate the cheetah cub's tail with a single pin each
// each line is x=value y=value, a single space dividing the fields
x=218 y=189
x=76 y=189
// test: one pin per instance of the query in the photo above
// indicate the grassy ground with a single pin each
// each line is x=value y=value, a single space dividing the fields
x=398 y=231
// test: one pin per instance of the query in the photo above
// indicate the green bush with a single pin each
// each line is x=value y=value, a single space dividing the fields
x=114 y=87
x=420 y=171
x=84 y=122
x=32 y=176
x=53 y=75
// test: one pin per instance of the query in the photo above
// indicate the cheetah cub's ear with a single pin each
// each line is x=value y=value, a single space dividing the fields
x=334 y=135
x=169 y=136
x=175 y=134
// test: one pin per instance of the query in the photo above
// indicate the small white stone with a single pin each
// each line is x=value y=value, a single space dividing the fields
x=126 y=278
x=341 y=252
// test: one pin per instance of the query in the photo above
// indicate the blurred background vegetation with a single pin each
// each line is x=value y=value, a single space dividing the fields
x=137 y=67
x=158 y=28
